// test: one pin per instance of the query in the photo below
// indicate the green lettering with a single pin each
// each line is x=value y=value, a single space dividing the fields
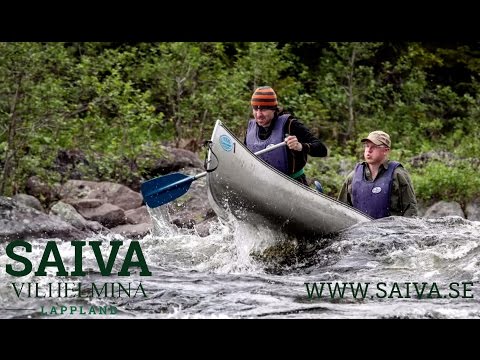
x=104 y=287
x=420 y=294
x=381 y=289
x=17 y=292
x=465 y=290
x=105 y=270
x=11 y=254
x=134 y=248
x=140 y=287
x=396 y=290
x=336 y=288
x=453 y=286
x=58 y=263
x=434 y=289
x=359 y=288
x=314 y=287
x=78 y=258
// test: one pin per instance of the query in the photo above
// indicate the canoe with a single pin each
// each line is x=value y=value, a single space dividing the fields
x=245 y=186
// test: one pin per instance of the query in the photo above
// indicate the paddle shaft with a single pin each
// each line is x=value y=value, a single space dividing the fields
x=270 y=148
x=267 y=149
x=159 y=191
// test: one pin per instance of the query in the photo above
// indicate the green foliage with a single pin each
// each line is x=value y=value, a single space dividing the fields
x=33 y=104
x=344 y=84
x=118 y=102
x=439 y=181
x=330 y=172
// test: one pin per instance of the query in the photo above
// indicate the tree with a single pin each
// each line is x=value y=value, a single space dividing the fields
x=345 y=83
x=33 y=104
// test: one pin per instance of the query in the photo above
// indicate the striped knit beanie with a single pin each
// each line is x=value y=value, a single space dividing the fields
x=265 y=97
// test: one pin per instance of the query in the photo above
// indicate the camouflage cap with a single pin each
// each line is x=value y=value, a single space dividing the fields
x=378 y=138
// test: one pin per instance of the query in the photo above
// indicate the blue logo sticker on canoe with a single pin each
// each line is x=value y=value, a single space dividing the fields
x=226 y=143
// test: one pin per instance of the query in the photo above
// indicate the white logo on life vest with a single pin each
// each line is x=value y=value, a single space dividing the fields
x=376 y=189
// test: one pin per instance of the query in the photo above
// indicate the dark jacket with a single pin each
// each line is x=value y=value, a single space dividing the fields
x=310 y=144
x=403 y=201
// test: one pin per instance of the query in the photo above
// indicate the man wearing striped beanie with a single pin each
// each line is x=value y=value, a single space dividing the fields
x=272 y=126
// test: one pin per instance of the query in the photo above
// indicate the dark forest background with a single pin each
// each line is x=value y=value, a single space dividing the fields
x=114 y=104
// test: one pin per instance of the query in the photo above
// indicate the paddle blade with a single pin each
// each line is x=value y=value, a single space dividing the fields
x=164 y=189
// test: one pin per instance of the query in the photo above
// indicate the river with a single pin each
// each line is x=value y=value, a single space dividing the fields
x=389 y=268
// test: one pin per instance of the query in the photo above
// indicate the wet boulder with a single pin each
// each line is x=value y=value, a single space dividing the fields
x=21 y=222
x=116 y=194
x=444 y=208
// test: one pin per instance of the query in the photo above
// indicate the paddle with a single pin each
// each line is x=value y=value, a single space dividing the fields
x=164 y=189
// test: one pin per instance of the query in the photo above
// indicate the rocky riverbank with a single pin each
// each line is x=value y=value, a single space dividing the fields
x=79 y=208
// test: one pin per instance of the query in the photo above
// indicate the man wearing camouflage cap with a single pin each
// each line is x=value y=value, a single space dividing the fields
x=378 y=186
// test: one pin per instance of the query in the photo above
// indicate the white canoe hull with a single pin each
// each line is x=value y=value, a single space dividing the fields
x=254 y=191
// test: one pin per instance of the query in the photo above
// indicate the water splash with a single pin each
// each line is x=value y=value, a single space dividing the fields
x=227 y=274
